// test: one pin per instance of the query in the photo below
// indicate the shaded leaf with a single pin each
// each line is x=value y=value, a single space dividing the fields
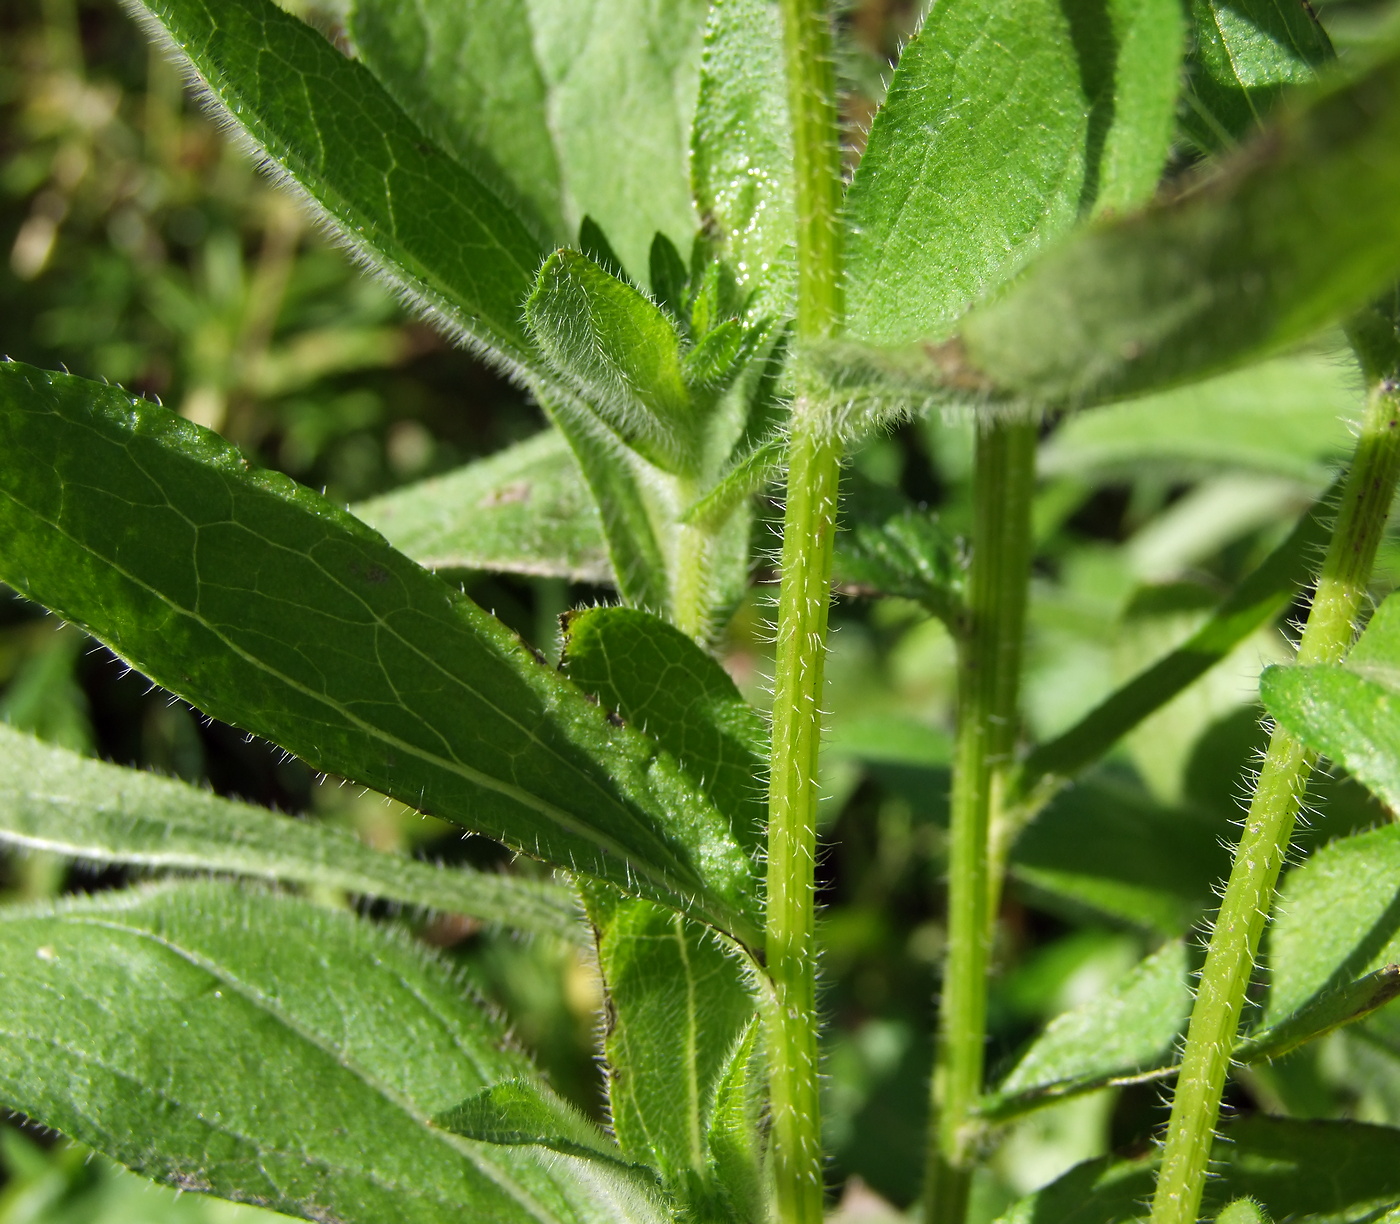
x=1287 y=417
x=1260 y=599
x=1243 y=1211
x=1244 y=54
x=664 y=684
x=677 y=1005
x=267 y=607
x=741 y=148
x=523 y=510
x=736 y=1129
x=54 y=800
x=1297 y=230
x=1005 y=124
x=427 y=223
x=177 y=1031
x=522 y=1113
x=1305 y=1172
x=542 y=90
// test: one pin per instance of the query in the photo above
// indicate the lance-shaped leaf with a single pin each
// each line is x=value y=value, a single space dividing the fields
x=1244 y=54
x=583 y=106
x=678 y=1001
x=275 y=1052
x=327 y=128
x=1003 y=124
x=1131 y=1032
x=524 y=510
x=52 y=799
x=1350 y=712
x=736 y=1129
x=1295 y=231
x=523 y=1113
x=661 y=681
x=264 y=605
x=741 y=148
x=622 y=354
x=1304 y=1172
x=1259 y=600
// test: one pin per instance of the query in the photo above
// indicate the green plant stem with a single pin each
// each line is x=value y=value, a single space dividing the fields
x=808 y=529
x=989 y=667
x=1249 y=895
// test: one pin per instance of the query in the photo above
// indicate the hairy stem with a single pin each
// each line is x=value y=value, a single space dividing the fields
x=989 y=668
x=1249 y=895
x=808 y=527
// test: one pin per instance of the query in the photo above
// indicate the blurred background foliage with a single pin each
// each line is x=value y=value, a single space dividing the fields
x=140 y=247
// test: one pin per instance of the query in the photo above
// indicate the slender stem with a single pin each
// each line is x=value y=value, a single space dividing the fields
x=988 y=685
x=808 y=527
x=1249 y=895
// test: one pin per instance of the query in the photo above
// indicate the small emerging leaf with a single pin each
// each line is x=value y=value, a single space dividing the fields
x=621 y=353
x=521 y=1113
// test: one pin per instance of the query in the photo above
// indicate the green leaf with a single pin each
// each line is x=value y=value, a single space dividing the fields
x=662 y=682
x=750 y=473
x=1287 y=417
x=1305 y=1172
x=1337 y=921
x=669 y=276
x=736 y=1129
x=621 y=353
x=1244 y=54
x=1259 y=600
x=583 y=106
x=888 y=546
x=1005 y=124
x=1296 y=231
x=522 y=1113
x=1349 y=712
x=1128 y=1033
x=1243 y=1211
x=427 y=223
x=677 y=1006
x=741 y=148
x=54 y=800
x=181 y=1031
x=1110 y=848
x=267 y=607
x=524 y=510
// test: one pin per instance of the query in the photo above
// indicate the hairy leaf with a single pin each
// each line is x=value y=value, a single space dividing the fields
x=1003 y=124
x=1244 y=54
x=1129 y=1032
x=1349 y=712
x=622 y=354
x=52 y=799
x=1295 y=231
x=677 y=1006
x=736 y=1129
x=524 y=510
x=741 y=148
x=1243 y=1211
x=181 y=1030
x=663 y=683
x=582 y=106
x=522 y=1113
x=1305 y=1172
x=267 y=607
x=427 y=223
x=1338 y=920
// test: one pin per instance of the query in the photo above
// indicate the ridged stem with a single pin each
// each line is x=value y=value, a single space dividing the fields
x=989 y=669
x=808 y=527
x=1249 y=895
